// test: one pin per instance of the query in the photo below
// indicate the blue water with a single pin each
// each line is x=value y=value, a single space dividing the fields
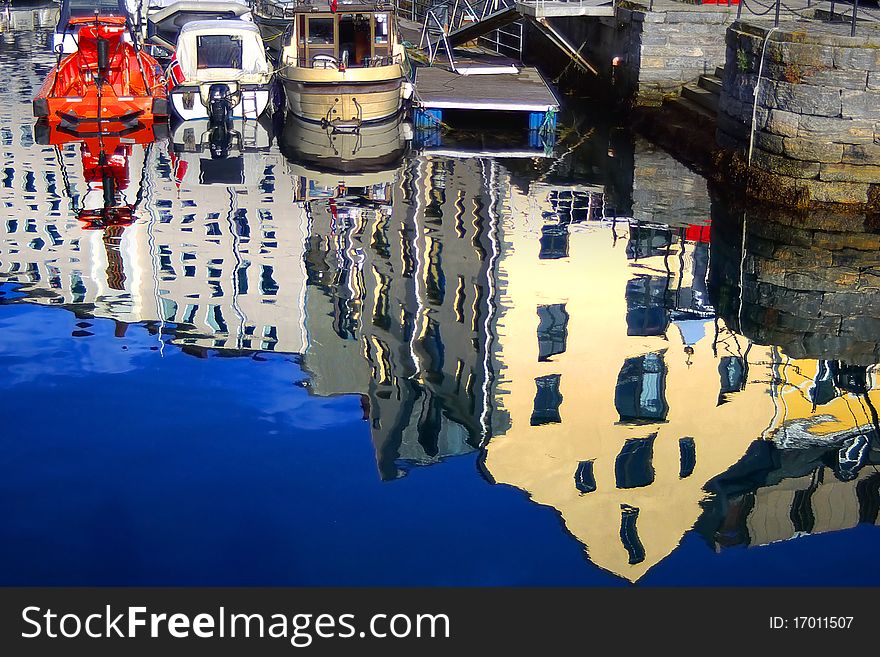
x=114 y=473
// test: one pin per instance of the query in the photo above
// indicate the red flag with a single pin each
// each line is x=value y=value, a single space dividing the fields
x=175 y=74
x=333 y=5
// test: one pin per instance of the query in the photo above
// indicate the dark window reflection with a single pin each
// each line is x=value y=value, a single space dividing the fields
x=688 y=457
x=547 y=400
x=634 y=466
x=647 y=241
x=552 y=330
x=554 y=242
x=584 y=479
x=640 y=393
x=645 y=306
x=629 y=535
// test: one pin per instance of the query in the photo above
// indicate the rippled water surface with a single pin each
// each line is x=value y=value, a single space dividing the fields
x=425 y=369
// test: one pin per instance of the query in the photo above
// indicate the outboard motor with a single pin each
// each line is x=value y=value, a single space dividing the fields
x=219 y=105
x=219 y=141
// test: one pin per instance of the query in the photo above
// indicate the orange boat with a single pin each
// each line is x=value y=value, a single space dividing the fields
x=106 y=81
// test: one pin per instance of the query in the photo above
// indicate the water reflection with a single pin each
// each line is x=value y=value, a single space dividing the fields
x=605 y=335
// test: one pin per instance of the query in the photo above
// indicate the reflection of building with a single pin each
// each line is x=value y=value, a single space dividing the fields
x=400 y=303
x=623 y=399
x=215 y=265
x=776 y=494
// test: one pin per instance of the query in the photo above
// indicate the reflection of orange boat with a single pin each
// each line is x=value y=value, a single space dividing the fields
x=106 y=81
x=105 y=164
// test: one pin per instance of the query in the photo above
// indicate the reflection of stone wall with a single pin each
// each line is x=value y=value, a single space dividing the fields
x=817 y=110
x=810 y=284
x=665 y=191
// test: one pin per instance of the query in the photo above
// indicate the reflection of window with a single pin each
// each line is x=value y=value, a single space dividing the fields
x=629 y=536
x=267 y=282
x=640 y=393
x=688 y=451
x=321 y=30
x=435 y=280
x=547 y=400
x=554 y=242
x=218 y=51
x=647 y=241
x=633 y=467
x=802 y=516
x=645 y=308
x=584 y=479
x=552 y=330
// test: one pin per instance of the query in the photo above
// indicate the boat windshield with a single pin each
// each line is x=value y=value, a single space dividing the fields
x=219 y=51
x=77 y=8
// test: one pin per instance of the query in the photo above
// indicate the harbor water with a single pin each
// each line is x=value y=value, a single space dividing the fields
x=314 y=359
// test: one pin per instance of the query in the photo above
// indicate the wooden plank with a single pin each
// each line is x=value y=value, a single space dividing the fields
x=526 y=91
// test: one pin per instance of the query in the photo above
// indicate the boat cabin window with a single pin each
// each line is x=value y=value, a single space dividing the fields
x=320 y=31
x=381 y=28
x=219 y=51
x=356 y=39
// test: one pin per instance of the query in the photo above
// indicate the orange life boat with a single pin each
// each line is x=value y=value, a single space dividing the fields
x=107 y=80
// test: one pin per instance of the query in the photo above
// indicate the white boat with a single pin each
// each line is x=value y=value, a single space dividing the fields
x=219 y=72
x=165 y=22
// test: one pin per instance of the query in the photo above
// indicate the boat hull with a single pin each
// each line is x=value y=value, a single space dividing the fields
x=187 y=101
x=374 y=147
x=346 y=102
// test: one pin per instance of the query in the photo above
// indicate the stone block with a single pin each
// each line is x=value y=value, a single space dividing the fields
x=799 y=257
x=834 y=78
x=803 y=99
x=827 y=280
x=860 y=104
x=865 y=59
x=784 y=166
x=769 y=142
x=861 y=154
x=850 y=303
x=837 y=192
x=783 y=123
x=811 y=150
x=850 y=173
x=848 y=240
x=863 y=328
x=837 y=129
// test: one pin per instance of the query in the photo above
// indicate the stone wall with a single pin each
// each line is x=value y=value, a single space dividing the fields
x=660 y=51
x=665 y=191
x=817 y=118
x=808 y=283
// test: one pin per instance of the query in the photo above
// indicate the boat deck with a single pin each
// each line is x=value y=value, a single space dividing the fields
x=440 y=88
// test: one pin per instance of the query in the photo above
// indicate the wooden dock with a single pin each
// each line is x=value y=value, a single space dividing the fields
x=438 y=88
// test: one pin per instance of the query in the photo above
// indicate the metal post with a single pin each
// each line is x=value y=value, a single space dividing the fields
x=739 y=9
x=832 y=10
x=776 y=20
x=852 y=31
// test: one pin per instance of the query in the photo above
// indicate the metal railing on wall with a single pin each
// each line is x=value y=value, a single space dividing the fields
x=837 y=11
x=455 y=14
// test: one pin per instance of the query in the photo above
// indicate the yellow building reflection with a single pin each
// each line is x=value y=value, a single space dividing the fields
x=619 y=416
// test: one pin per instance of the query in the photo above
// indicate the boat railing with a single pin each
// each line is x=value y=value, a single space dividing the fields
x=331 y=63
x=288 y=9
